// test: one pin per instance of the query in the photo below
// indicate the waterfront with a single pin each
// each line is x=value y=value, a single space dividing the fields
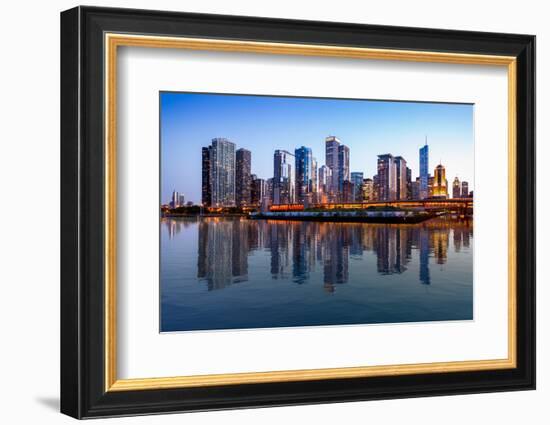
x=235 y=273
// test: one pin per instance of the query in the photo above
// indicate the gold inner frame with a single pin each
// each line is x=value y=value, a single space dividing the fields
x=113 y=41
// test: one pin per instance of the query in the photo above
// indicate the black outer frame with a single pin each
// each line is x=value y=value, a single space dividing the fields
x=82 y=206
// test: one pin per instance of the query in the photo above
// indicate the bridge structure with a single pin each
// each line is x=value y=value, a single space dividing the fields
x=460 y=206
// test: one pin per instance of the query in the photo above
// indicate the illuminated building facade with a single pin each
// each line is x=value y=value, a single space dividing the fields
x=440 y=183
x=242 y=177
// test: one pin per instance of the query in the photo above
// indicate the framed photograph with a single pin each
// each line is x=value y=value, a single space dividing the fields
x=261 y=212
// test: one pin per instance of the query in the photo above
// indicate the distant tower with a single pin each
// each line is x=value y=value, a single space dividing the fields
x=283 y=177
x=440 y=183
x=464 y=192
x=304 y=172
x=424 y=167
x=456 y=188
x=175 y=202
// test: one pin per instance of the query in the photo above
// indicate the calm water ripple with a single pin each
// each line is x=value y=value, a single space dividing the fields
x=232 y=273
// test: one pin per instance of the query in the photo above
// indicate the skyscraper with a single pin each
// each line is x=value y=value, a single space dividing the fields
x=464 y=192
x=314 y=178
x=242 y=177
x=325 y=176
x=424 y=173
x=258 y=190
x=357 y=180
x=401 y=178
x=343 y=167
x=304 y=173
x=331 y=160
x=409 y=184
x=456 y=188
x=440 y=183
x=222 y=173
x=175 y=202
x=181 y=199
x=387 y=178
x=283 y=177
x=206 y=170
x=368 y=190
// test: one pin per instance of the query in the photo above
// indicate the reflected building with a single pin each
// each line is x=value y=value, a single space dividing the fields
x=424 y=257
x=223 y=250
x=296 y=249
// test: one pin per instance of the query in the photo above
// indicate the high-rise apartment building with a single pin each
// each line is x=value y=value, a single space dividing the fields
x=243 y=163
x=206 y=198
x=258 y=190
x=343 y=167
x=409 y=184
x=222 y=172
x=368 y=190
x=387 y=178
x=401 y=178
x=332 y=144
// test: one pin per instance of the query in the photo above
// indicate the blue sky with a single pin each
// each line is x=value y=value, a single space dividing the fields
x=262 y=124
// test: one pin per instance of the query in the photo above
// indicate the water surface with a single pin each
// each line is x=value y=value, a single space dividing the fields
x=234 y=273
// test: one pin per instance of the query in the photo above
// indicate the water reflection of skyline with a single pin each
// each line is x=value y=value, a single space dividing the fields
x=296 y=249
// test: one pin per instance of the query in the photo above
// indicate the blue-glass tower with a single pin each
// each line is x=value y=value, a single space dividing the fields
x=424 y=173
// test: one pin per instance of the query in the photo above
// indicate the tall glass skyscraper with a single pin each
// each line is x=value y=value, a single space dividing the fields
x=424 y=173
x=304 y=172
x=343 y=168
x=357 y=180
x=222 y=173
x=331 y=161
x=283 y=178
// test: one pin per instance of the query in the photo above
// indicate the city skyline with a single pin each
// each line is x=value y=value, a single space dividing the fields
x=187 y=118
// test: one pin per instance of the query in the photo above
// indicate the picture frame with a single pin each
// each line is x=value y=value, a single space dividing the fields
x=90 y=40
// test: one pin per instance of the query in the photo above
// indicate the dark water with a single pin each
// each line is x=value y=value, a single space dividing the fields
x=224 y=273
